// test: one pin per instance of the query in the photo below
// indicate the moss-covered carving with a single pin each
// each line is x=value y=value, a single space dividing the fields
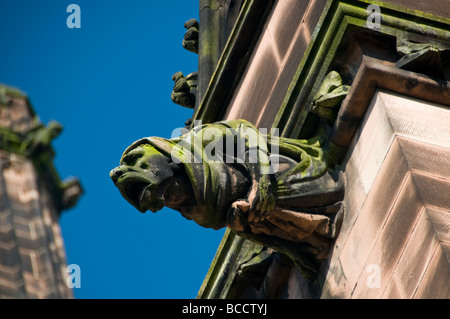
x=38 y=139
x=329 y=97
x=278 y=192
x=35 y=144
x=190 y=40
x=185 y=89
x=430 y=58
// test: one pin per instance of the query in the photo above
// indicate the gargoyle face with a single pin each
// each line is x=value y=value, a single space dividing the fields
x=55 y=127
x=141 y=177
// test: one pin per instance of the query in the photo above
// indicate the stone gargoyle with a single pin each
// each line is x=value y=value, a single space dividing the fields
x=275 y=191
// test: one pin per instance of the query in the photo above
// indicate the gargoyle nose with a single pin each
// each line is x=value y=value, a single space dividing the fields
x=116 y=173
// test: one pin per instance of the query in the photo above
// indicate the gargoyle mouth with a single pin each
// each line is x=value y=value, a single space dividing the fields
x=138 y=191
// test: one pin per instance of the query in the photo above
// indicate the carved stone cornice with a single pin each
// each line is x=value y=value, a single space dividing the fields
x=374 y=75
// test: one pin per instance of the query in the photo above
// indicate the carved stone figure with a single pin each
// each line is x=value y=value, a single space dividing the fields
x=429 y=58
x=39 y=138
x=185 y=89
x=278 y=192
x=71 y=192
x=329 y=97
x=190 y=40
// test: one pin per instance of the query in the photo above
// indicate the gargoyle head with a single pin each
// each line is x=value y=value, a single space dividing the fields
x=142 y=176
x=55 y=128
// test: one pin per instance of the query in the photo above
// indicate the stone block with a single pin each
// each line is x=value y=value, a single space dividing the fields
x=440 y=220
x=6 y=233
x=393 y=291
x=291 y=45
x=434 y=284
x=418 y=120
x=257 y=83
x=373 y=214
x=433 y=189
x=416 y=256
x=391 y=241
x=426 y=158
x=9 y=254
x=284 y=22
x=373 y=141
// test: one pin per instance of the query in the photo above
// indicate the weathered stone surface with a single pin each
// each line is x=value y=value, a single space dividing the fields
x=436 y=7
x=274 y=191
x=402 y=225
x=434 y=283
x=257 y=87
x=362 y=234
x=32 y=257
x=390 y=241
x=278 y=52
x=184 y=92
x=416 y=257
x=410 y=142
x=217 y=18
x=190 y=40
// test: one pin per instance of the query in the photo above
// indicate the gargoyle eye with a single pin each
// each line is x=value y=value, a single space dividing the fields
x=132 y=157
x=144 y=165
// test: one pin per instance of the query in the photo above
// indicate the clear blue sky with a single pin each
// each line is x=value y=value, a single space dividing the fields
x=109 y=84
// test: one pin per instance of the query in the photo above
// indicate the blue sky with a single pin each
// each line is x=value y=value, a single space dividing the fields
x=109 y=84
